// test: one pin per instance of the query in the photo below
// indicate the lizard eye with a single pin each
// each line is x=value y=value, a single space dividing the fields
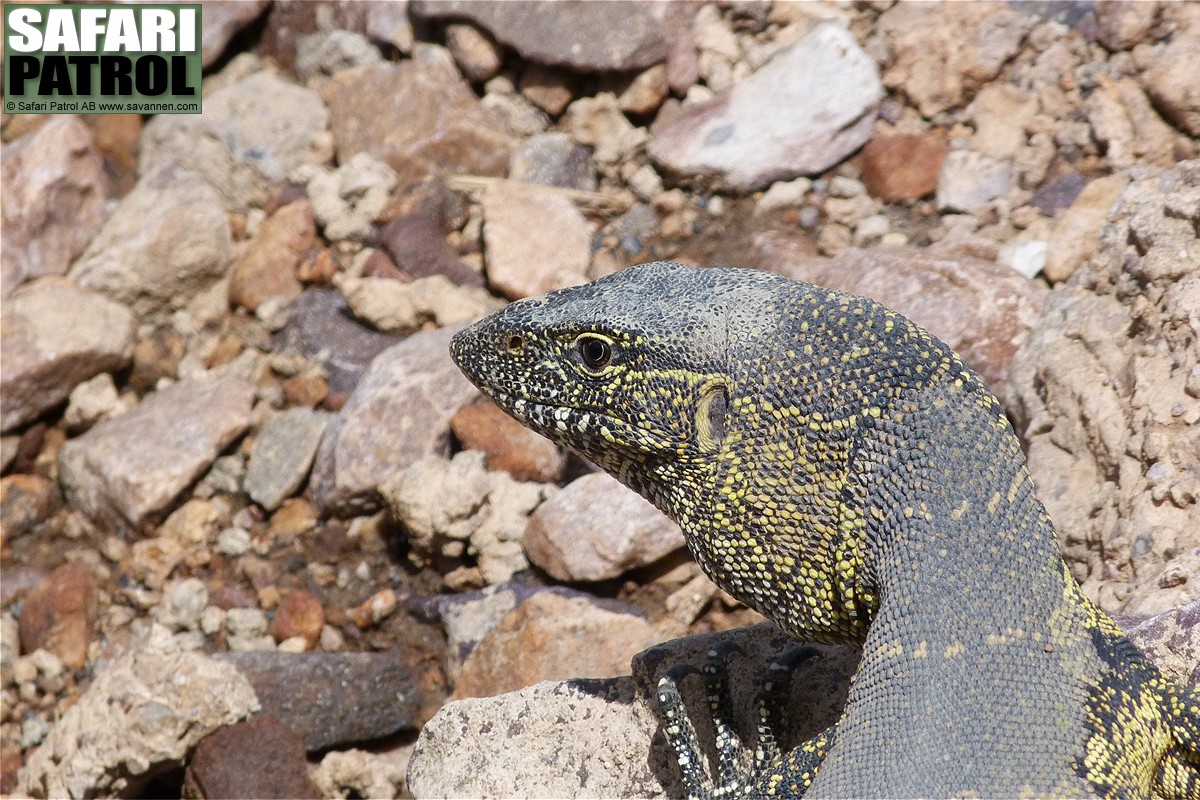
x=596 y=352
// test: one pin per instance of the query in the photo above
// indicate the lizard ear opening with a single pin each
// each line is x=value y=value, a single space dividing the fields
x=711 y=417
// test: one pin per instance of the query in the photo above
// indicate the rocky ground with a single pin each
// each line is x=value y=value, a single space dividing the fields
x=241 y=474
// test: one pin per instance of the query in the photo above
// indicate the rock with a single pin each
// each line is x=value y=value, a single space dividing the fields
x=348 y=200
x=328 y=52
x=221 y=22
x=804 y=111
x=288 y=25
x=1108 y=398
x=969 y=180
x=248 y=631
x=1125 y=122
x=1172 y=641
x=1058 y=194
x=548 y=89
x=258 y=758
x=183 y=538
x=903 y=167
x=321 y=328
x=645 y=92
x=1077 y=231
x=418 y=247
x=553 y=159
x=267 y=269
x=1001 y=113
x=403 y=308
x=59 y=615
x=418 y=116
x=411 y=391
x=599 y=123
x=141 y=715
x=474 y=51
x=1120 y=26
x=156 y=357
x=596 y=529
x=375 y=609
x=454 y=509
x=358 y=773
x=168 y=241
x=982 y=309
x=549 y=637
x=282 y=455
x=24 y=503
x=331 y=699
x=44 y=353
x=55 y=188
x=602 y=737
x=295 y=516
x=92 y=401
x=251 y=136
x=939 y=56
x=137 y=464
x=183 y=601
x=300 y=613
x=534 y=241
x=1169 y=84
x=587 y=37
x=508 y=445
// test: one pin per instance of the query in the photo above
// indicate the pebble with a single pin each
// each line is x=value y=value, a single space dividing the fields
x=801 y=113
x=474 y=51
x=327 y=52
x=282 y=455
x=182 y=604
x=404 y=308
x=295 y=516
x=553 y=159
x=645 y=92
x=59 y=614
x=221 y=23
x=45 y=354
x=599 y=123
x=138 y=463
x=92 y=401
x=259 y=758
x=419 y=249
x=374 y=609
x=534 y=241
x=24 y=503
x=548 y=89
x=969 y=180
x=1170 y=83
x=348 y=200
x=1077 y=232
x=268 y=266
x=300 y=614
x=902 y=167
x=509 y=445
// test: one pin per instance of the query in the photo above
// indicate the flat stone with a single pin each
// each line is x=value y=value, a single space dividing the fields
x=136 y=465
x=418 y=247
x=258 y=758
x=252 y=135
x=1058 y=193
x=411 y=391
x=534 y=241
x=282 y=455
x=509 y=445
x=419 y=116
x=550 y=637
x=553 y=159
x=44 y=353
x=167 y=242
x=59 y=615
x=586 y=36
x=969 y=180
x=596 y=529
x=332 y=699
x=141 y=715
x=55 y=189
x=267 y=269
x=802 y=112
x=904 y=167
x=1171 y=640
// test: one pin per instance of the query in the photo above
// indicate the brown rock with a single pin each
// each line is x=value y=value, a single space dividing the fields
x=534 y=240
x=306 y=391
x=156 y=357
x=53 y=202
x=509 y=445
x=904 y=167
x=294 y=517
x=548 y=89
x=982 y=309
x=419 y=249
x=221 y=22
x=268 y=267
x=300 y=613
x=374 y=609
x=1170 y=81
x=24 y=502
x=259 y=758
x=549 y=637
x=596 y=529
x=44 y=353
x=474 y=51
x=60 y=614
x=1121 y=25
x=683 y=62
x=418 y=116
x=645 y=92
x=136 y=465
x=1077 y=232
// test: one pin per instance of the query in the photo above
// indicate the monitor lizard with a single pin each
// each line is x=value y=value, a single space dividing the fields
x=842 y=471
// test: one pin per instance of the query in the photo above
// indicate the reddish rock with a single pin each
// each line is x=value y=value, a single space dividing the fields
x=259 y=758
x=294 y=517
x=535 y=241
x=306 y=391
x=300 y=613
x=374 y=609
x=902 y=167
x=418 y=249
x=548 y=89
x=24 y=502
x=60 y=614
x=509 y=445
x=155 y=357
x=268 y=267
x=549 y=637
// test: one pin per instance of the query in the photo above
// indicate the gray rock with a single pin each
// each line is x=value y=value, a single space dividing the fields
x=251 y=136
x=969 y=179
x=600 y=737
x=1172 y=641
x=804 y=111
x=410 y=392
x=586 y=36
x=534 y=240
x=553 y=159
x=596 y=529
x=325 y=53
x=221 y=22
x=55 y=188
x=332 y=698
x=167 y=242
x=134 y=466
x=141 y=715
x=282 y=455
x=1169 y=81
x=45 y=352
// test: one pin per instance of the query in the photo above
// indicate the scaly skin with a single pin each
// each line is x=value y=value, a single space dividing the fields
x=843 y=472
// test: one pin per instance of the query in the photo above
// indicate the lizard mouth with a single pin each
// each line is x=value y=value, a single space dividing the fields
x=571 y=425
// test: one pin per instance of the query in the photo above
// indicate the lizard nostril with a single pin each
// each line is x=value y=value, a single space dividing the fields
x=515 y=343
